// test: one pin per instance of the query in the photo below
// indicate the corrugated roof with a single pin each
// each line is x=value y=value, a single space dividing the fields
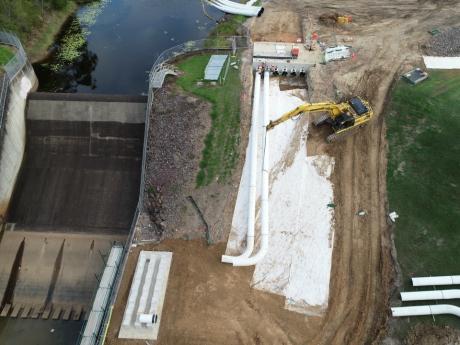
x=214 y=67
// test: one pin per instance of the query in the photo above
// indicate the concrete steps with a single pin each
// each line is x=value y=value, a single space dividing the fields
x=66 y=313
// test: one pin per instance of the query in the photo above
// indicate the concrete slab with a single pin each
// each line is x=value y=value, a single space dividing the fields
x=16 y=309
x=35 y=312
x=146 y=296
x=86 y=107
x=77 y=313
x=56 y=313
x=25 y=312
x=66 y=313
x=46 y=313
x=82 y=260
x=6 y=309
x=279 y=54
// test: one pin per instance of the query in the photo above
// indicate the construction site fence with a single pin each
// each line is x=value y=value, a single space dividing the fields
x=232 y=43
x=216 y=44
x=8 y=72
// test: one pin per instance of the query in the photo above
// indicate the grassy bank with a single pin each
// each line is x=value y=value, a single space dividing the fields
x=221 y=144
x=34 y=25
x=5 y=54
x=424 y=177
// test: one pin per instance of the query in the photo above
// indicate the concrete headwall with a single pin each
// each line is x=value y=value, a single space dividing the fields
x=13 y=135
x=86 y=107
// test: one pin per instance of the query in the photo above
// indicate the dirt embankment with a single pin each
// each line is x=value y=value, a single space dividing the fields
x=179 y=124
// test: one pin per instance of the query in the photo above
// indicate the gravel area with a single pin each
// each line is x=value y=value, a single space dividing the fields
x=178 y=125
x=446 y=43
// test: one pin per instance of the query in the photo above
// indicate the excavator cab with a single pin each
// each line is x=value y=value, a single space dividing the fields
x=342 y=121
x=358 y=106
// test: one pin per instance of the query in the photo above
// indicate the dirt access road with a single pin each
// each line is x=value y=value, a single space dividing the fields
x=386 y=37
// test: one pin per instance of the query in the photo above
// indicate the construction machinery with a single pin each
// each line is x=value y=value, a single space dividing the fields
x=335 y=18
x=343 y=118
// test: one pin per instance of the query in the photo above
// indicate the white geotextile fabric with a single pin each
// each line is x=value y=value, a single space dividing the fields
x=441 y=62
x=298 y=261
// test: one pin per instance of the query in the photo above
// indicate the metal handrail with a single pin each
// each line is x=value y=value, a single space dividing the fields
x=11 y=69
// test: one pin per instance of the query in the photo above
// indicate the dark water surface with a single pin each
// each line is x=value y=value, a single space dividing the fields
x=110 y=45
x=39 y=332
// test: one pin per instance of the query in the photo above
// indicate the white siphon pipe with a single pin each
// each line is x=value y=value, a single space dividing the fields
x=439 y=280
x=264 y=233
x=254 y=10
x=435 y=309
x=252 y=176
x=233 y=8
x=430 y=295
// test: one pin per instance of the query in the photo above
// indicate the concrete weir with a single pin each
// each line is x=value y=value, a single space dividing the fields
x=82 y=164
x=75 y=197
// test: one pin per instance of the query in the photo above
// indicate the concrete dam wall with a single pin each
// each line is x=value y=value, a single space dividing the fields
x=82 y=163
x=13 y=134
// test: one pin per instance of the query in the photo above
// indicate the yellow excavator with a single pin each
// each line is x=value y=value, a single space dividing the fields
x=343 y=117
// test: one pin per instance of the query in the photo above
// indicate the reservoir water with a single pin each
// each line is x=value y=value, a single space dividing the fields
x=109 y=45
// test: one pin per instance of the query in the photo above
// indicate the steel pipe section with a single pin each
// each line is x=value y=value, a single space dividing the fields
x=235 y=8
x=252 y=176
x=439 y=280
x=436 y=309
x=264 y=233
x=430 y=295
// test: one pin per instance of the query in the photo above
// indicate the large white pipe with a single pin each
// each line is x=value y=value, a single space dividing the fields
x=236 y=5
x=252 y=176
x=264 y=233
x=430 y=295
x=230 y=7
x=254 y=10
x=234 y=8
x=426 y=310
x=439 y=280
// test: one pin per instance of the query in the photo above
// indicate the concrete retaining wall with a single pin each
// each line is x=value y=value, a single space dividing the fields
x=86 y=107
x=13 y=135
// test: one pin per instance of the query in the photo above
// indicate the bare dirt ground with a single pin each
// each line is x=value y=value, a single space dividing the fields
x=386 y=39
x=211 y=303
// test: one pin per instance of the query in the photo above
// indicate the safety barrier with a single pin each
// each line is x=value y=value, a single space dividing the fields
x=18 y=63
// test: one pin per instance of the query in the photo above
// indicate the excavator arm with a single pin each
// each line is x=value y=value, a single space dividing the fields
x=333 y=108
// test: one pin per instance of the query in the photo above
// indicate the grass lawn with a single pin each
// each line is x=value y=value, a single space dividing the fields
x=5 y=55
x=221 y=144
x=424 y=178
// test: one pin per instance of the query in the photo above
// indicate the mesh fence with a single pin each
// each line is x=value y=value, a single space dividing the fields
x=17 y=64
